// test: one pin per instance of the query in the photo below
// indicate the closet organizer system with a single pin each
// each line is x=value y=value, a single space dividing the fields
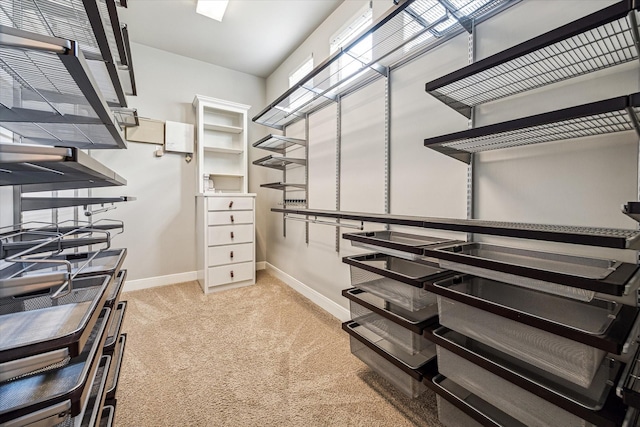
x=65 y=68
x=507 y=336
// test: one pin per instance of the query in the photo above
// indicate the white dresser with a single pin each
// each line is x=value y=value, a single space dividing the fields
x=226 y=243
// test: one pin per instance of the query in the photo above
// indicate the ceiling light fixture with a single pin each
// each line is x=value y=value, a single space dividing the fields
x=213 y=9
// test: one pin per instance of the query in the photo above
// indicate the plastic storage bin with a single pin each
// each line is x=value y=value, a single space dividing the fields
x=451 y=416
x=517 y=402
x=388 y=323
x=394 y=279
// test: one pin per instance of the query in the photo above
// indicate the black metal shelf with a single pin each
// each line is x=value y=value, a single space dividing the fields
x=39 y=168
x=285 y=186
x=278 y=143
x=60 y=102
x=93 y=24
x=279 y=163
x=590 y=236
x=37 y=203
x=609 y=116
x=600 y=40
x=406 y=30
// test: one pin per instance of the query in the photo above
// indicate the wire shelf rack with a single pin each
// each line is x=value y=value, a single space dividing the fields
x=59 y=102
x=93 y=24
x=603 y=39
x=285 y=186
x=279 y=163
x=278 y=144
x=411 y=27
x=39 y=168
x=590 y=236
x=612 y=115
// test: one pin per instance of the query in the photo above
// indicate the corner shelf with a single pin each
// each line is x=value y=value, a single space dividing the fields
x=407 y=29
x=590 y=236
x=278 y=143
x=279 y=163
x=39 y=168
x=93 y=24
x=600 y=40
x=70 y=112
x=612 y=115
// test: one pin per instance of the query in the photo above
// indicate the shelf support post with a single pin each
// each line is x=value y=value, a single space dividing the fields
x=387 y=145
x=338 y=165
x=472 y=157
x=306 y=175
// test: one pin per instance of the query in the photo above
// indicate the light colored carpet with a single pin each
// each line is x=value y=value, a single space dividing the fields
x=256 y=356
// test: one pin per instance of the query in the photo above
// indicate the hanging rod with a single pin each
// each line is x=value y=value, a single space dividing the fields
x=335 y=224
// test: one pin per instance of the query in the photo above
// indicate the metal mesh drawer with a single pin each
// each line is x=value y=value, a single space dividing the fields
x=513 y=400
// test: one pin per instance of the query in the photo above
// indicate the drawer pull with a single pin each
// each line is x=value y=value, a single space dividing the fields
x=232 y=220
x=231 y=272
x=230 y=204
x=231 y=254
x=232 y=235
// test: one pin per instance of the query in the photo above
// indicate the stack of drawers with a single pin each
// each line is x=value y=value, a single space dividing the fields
x=226 y=250
x=512 y=349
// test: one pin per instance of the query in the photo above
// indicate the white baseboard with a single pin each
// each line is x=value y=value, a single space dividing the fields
x=152 y=282
x=316 y=297
x=261 y=265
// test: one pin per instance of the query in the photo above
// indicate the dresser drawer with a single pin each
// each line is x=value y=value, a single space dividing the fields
x=229 y=203
x=220 y=255
x=229 y=234
x=228 y=218
x=231 y=273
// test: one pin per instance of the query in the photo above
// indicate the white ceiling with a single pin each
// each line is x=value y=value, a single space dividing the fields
x=254 y=37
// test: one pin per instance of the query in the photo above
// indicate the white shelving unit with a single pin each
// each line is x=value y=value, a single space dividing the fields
x=221 y=145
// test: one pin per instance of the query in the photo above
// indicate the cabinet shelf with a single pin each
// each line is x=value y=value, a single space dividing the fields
x=223 y=150
x=93 y=24
x=284 y=186
x=599 y=40
x=279 y=163
x=278 y=144
x=407 y=29
x=65 y=106
x=612 y=115
x=590 y=236
x=233 y=175
x=39 y=168
x=223 y=128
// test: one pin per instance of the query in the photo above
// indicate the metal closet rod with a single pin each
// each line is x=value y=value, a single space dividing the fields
x=334 y=224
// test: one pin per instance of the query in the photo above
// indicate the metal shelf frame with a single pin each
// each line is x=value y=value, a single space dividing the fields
x=38 y=203
x=410 y=28
x=93 y=24
x=588 y=236
x=284 y=186
x=278 y=143
x=608 y=116
x=279 y=163
x=39 y=168
x=66 y=107
x=597 y=41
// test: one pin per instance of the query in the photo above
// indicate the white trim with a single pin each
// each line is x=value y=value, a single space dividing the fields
x=152 y=282
x=261 y=265
x=316 y=297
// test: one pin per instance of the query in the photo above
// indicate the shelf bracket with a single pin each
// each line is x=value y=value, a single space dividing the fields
x=634 y=120
x=373 y=65
x=634 y=30
x=319 y=92
x=427 y=25
x=464 y=21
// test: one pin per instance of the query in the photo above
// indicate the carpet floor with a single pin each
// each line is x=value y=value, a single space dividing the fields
x=255 y=356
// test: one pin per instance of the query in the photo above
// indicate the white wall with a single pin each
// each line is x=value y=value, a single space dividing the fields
x=160 y=225
x=578 y=182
